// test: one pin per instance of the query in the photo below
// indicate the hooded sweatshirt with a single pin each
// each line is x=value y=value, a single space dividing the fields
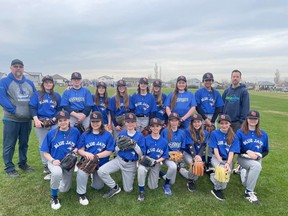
x=14 y=98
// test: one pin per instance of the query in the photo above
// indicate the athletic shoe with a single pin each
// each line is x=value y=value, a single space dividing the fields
x=237 y=170
x=47 y=177
x=83 y=200
x=251 y=197
x=209 y=168
x=46 y=169
x=13 y=174
x=191 y=186
x=112 y=192
x=218 y=194
x=167 y=190
x=26 y=167
x=55 y=204
x=180 y=165
x=141 y=196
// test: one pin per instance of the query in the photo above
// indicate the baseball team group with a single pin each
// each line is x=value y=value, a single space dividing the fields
x=204 y=128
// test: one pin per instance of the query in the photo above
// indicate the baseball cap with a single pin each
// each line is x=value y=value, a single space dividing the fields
x=155 y=121
x=143 y=80
x=17 y=61
x=173 y=116
x=96 y=116
x=62 y=114
x=208 y=76
x=157 y=83
x=196 y=116
x=181 y=78
x=121 y=83
x=47 y=77
x=224 y=118
x=253 y=114
x=130 y=117
x=102 y=84
x=76 y=75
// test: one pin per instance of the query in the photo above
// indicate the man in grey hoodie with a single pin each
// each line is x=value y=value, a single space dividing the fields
x=15 y=94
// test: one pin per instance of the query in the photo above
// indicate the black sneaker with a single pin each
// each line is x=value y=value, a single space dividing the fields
x=46 y=169
x=218 y=194
x=112 y=192
x=209 y=168
x=26 y=167
x=191 y=186
x=141 y=196
x=251 y=197
x=180 y=165
x=12 y=174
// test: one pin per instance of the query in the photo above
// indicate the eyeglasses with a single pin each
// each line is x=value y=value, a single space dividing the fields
x=17 y=66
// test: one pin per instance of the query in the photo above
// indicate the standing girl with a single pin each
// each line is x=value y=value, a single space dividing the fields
x=159 y=99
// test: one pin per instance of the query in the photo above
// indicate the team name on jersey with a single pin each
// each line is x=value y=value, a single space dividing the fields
x=174 y=145
x=76 y=99
x=146 y=106
x=47 y=101
x=91 y=144
x=247 y=141
x=61 y=143
x=206 y=99
x=158 y=150
x=221 y=142
x=182 y=100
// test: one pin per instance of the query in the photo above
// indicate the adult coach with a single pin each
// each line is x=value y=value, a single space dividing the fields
x=15 y=94
x=236 y=101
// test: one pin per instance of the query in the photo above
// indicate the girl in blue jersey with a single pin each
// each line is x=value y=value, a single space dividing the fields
x=181 y=101
x=45 y=103
x=56 y=145
x=125 y=161
x=159 y=99
x=156 y=147
x=96 y=141
x=254 y=146
x=119 y=106
x=101 y=103
x=196 y=140
x=176 y=142
x=143 y=104
x=224 y=144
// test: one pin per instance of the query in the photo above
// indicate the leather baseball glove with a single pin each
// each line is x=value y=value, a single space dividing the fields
x=47 y=122
x=146 y=131
x=197 y=168
x=147 y=161
x=175 y=156
x=221 y=174
x=125 y=143
x=80 y=127
x=88 y=166
x=69 y=161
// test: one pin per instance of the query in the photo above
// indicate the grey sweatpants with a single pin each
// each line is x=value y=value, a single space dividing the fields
x=250 y=172
x=171 y=171
x=128 y=170
x=184 y=172
x=85 y=123
x=142 y=122
x=152 y=178
x=82 y=179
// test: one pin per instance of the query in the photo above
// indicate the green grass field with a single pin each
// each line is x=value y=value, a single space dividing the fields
x=30 y=194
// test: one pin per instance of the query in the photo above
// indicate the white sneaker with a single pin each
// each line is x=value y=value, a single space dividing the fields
x=83 y=200
x=47 y=177
x=251 y=197
x=55 y=204
x=76 y=168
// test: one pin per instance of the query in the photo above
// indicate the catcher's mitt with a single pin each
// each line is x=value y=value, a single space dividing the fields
x=175 y=156
x=197 y=168
x=69 y=161
x=88 y=166
x=80 y=127
x=210 y=128
x=221 y=175
x=147 y=161
x=125 y=143
x=47 y=122
x=146 y=131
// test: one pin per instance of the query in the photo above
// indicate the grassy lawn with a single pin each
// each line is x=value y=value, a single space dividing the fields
x=30 y=194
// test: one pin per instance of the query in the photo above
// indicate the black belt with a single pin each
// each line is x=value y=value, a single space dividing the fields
x=141 y=115
x=78 y=111
x=127 y=160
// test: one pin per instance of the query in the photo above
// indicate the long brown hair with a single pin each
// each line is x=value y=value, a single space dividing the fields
x=90 y=129
x=230 y=136
x=159 y=100
x=125 y=98
x=169 y=128
x=245 y=127
x=175 y=95
x=97 y=97
x=194 y=132
x=42 y=92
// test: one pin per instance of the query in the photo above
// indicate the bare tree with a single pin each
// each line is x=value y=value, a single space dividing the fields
x=277 y=77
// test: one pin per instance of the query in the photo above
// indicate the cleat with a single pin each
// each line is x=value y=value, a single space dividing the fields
x=54 y=203
x=167 y=190
x=218 y=194
x=251 y=197
x=46 y=169
x=112 y=192
x=83 y=200
x=141 y=196
x=191 y=186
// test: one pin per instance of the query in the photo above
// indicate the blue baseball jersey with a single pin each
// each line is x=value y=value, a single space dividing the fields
x=156 y=148
x=61 y=143
x=77 y=99
x=102 y=108
x=178 y=141
x=218 y=140
x=131 y=154
x=97 y=143
x=47 y=107
x=161 y=111
x=197 y=145
x=118 y=111
x=143 y=105
x=253 y=142
x=208 y=100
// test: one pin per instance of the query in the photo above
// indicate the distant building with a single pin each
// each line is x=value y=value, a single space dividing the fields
x=107 y=79
x=193 y=83
x=2 y=75
x=60 y=81
x=35 y=77
x=264 y=85
x=133 y=81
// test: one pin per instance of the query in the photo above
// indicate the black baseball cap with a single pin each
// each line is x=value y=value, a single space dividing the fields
x=196 y=116
x=208 y=76
x=224 y=118
x=155 y=121
x=130 y=117
x=181 y=78
x=96 y=116
x=47 y=77
x=143 y=80
x=121 y=83
x=76 y=75
x=157 y=83
x=102 y=84
x=62 y=114
x=253 y=114
x=173 y=116
x=17 y=61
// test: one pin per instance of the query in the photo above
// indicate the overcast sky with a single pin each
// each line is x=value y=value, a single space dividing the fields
x=127 y=37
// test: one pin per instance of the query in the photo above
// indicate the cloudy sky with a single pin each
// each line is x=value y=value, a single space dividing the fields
x=127 y=37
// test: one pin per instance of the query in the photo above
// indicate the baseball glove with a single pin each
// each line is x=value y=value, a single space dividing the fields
x=69 y=161
x=146 y=131
x=175 y=156
x=147 y=161
x=88 y=166
x=125 y=143
x=47 y=122
x=210 y=128
x=80 y=127
x=197 y=168
x=221 y=175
